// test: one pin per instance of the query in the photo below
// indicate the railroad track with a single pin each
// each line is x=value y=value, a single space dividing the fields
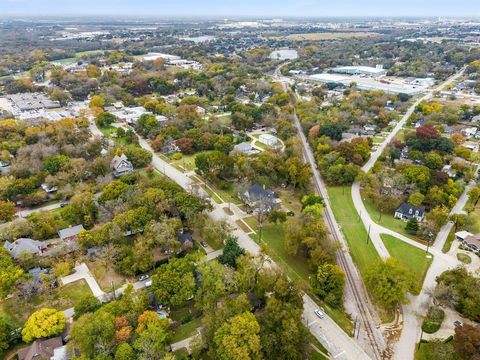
x=359 y=294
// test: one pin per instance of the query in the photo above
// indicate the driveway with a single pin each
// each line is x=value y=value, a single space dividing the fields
x=82 y=272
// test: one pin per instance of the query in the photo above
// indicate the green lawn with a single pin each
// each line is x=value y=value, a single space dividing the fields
x=186 y=330
x=108 y=132
x=352 y=228
x=185 y=164
x=409 y=256
x=61 y=298
x=464 y=258
x=436 y=351
x=449 y=241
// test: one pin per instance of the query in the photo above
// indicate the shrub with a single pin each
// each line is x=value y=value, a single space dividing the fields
x=177 y=156
x=433 y=320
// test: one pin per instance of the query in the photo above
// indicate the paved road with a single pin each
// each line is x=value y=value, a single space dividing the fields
x=27 y=212
x=335 y=340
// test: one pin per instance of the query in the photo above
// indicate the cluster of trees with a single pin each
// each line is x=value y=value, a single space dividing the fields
x=248 y=309
x=460 y=290
x=268 y=167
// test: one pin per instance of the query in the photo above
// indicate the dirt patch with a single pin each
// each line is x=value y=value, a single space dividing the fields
x=105 y=276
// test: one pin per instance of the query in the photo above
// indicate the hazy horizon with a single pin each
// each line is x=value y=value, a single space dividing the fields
x=246 y=8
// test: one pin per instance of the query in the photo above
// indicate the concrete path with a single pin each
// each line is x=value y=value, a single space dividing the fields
x=82 y=272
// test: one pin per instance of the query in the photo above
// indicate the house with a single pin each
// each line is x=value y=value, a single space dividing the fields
x=256 y=196
x=448 y=169
x=268 y=139
x=70 y=233
x=473 y=242
x=420 y=122
x=245 y=148
x=185 y=239
x=24 y=245
x=43 y=349
x=462 y=235
x=470 y=145
x=48 y=189
x=120 y=165
x=406 y=212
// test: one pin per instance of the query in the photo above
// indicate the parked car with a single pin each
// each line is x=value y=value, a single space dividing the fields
x=64 y=203
x=457 y=323
x=148 y=283
x=319 y=313
x=290 y=213
x=143 y=277
x=203 y=243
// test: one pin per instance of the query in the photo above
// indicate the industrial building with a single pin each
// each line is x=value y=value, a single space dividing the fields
x=361 y=70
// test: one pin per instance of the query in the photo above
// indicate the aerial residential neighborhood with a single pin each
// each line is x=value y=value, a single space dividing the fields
x=239 y=180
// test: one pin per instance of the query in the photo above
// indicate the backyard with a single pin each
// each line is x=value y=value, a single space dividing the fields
x=409 y=256
x=60 y=298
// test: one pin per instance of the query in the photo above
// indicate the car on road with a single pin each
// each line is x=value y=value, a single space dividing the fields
x=203 y=243
x=64 y=203
x=143 y=277
x=148 y=283
x=457 y=323
x=319 y=313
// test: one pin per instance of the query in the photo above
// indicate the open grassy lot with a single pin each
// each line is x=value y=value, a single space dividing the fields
x=363 y=253
x=61 y=298
x=186 y=330
x=431 y=351
x=409 y=256
x=110 y=132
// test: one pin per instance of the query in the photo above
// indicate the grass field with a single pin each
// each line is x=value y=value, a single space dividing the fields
x=352 y=228
x=186 y=330
x=432 y=351
x=61 y=298
x=449 y=241
x=409 y=256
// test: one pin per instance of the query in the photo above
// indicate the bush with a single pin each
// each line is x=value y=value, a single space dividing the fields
x=177 y=156
x=434 y=319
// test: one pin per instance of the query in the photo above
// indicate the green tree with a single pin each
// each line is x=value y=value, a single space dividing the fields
x=7 y=211
x=87 y=304
x=125 y=352
x=215 y=282
x=283 y=335
x=152 y=342
x=54 y=163
x=329 y=283
x=416 y=198
x=10 y=273
x=97 y=101
x=94 y=334
x=412 y=226
x=238 y=338
x=43 y=323
x=388 y=282
x=231 y=252
x=438 y=216
x=113 y=191
x=174 y=283
x=104 y=119
x=6 y=330
x=433 y=161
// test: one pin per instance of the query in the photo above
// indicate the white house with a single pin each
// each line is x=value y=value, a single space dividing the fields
x=406 y=211
x=121 y=165
x=268 y=139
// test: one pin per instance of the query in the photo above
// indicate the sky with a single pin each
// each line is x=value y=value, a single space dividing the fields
x=256 y=8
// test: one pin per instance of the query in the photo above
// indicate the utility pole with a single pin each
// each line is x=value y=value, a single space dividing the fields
x=113 y=290
x=368 y=235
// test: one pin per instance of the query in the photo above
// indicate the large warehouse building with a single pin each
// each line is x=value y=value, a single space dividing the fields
x=361 y=70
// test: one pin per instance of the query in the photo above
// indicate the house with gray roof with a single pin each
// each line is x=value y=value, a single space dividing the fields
x=70 y=233
x=24 y=245
x=406 y=211
x=245 y=148
x=256 y=196
x=120 y=165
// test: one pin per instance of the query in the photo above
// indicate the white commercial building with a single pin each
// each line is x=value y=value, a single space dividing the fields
x=361 y=70
x=268 y=139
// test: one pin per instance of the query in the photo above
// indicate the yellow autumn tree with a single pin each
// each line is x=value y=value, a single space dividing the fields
x=43 y=323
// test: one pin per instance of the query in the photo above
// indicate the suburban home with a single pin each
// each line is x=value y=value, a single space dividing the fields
x=448 y=169
x=70 y=233
x=245 y=148
x=468 y=239
x=48 y=189
x=256 y=196
x=120 y=165
x=44 y=349
x=268 y=139
x=406 y=212
x=24 y=246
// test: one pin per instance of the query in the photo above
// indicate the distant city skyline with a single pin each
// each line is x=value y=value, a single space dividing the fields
x=254 y=8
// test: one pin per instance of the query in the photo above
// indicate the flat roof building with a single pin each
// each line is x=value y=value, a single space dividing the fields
x=361 y=70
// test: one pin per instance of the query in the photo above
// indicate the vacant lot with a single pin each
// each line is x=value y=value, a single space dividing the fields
x=409 y=256
x=363 y=253
x=330 y=36
x=61 y=298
